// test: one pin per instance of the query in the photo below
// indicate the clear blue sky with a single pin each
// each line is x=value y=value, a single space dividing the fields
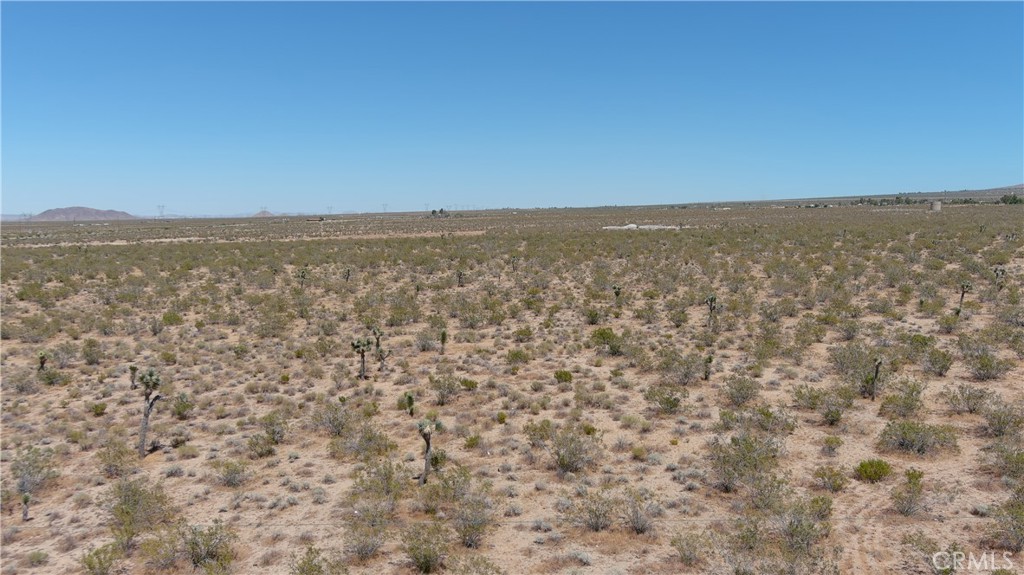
x=221 y=108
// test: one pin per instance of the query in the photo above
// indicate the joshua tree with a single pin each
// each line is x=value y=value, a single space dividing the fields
x=382 y=354
x=42 y=360
x=25 y=500
x=514 y=260
x=872 y=380
x=407 y=403
x=964 y=288
x=133 y=370
x=444 y=339
x=362 y=345
x=712 y=302
x=617 y=290
x=302 y=275
x=707 y=366
x=348 y=274
x=150 y=382
x=460 y=277
x=427 y=427
x=1000 y=276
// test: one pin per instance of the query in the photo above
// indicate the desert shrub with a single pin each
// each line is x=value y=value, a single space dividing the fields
x=101 y=560
x=117 y=459
x=1002 y=419
x=472 y=517
x=1008 y=531
x=835 y=403
x=608 y=341
x=209 y=548
x=380 y=480
x=665 y=399
x=314 y=562
x=594 y=510
x=574 y=449
x=985 y=366
x=563 y=376
x=136 y=507
x=639 y=508
x=365 y=442
x=966 y=398
x=92 y=352
x=172 y=318
x=741 y=459
x=830 y=445
x=474 y=565
x=683 y=370
x=182 y=406
x=766 y=491
x=230 y=472
x=162 y=550
x=803 y=523
x=367 y=526
x=854 y=362
x=333 y=417
x=937 y=362
x=445 y=386
x=260 y=445
x=37 y=558
x=426 y=546
x=831 y=478
x=517 y=357
x=53 y=377
x=905 y=399
x=916 y=437
x=908 y=497
x=32 y=468
x=741 y=390
x=807 y=397
x=691 y=547
x=872 y=470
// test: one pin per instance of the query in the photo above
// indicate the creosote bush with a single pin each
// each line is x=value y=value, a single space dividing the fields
x=426 y=545
x=872 y=470
x=916 y=437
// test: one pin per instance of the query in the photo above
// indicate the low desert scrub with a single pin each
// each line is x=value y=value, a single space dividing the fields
x=691 y=547
x=209 y=548
x=1003 y=419
x=741 y=458
x=594 y=510
x=101 y=560
x=117 y=459
x=741 y=390
x=872 y=470
x=1008 y=531
x=917 y=437
x=908 y=497
x=831 y=478
x=904 y=400
x=314 y=562
x=426 y=545
x=966 y=398
x=640 y=507
x=230 y=472
x=136 y=507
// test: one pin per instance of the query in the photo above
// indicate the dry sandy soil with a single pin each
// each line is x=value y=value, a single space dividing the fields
x=245 y=319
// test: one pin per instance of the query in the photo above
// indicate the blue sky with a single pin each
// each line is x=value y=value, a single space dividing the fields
x=223 y=108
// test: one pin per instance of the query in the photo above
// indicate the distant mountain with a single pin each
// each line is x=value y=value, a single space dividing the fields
x=263 y=214
x=80 y=214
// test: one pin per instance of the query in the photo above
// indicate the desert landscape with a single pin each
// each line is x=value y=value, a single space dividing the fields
x=760 y=389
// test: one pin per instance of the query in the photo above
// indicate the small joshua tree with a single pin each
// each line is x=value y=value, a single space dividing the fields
x=427 y=427
x=133 y=370
x=707 y=366
x=1000 y=278
x=964 y=288
x=361 y=346
x=302 y=275
x=712 y=302
x=460 y=278
x=444 y=339
x=42 y=360
x=382 y=354
x=871 y=381
x=150 y=382
x=407 y=402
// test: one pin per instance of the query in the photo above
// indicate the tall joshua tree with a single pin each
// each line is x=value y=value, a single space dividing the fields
x=150 y=382
x=361 y=345
x=133 y=371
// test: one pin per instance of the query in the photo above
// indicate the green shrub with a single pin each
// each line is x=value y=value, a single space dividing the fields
x=211 y=548
x=1008 y=531
x=905 y=400
x=136 y=507
x=117 y=459
x=1002 y=419
x=966 y=398
x=230 y=472
x=426 y=546
x=872 y=470
x=831 y=478
x=182 y=406
x=100 y=560
x=313 y=562
x=665 y=399
x=98 y=409
x=938 y=362
x=517 y=357
x=741 y=390
x=563 y=376
x=574 y=449
x=472 y=518
x=691 y=547
x=830 y=445
x=916 y=437
x=92 y=352
x=594 y=510
x=908 y=498
x=172 y=318
x=741 y=459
